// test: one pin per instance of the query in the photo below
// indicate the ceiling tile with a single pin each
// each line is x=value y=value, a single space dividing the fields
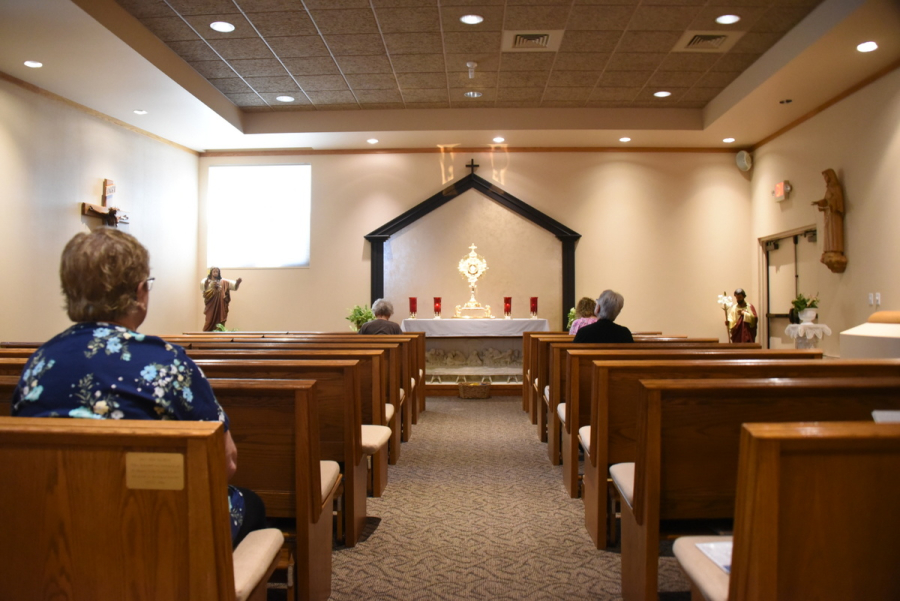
x=381 y=96
x=319 y=83
x=344 y=21
x=535 y=17
x=754 y=42
x=434 y=95
x=662 y=18
x=674 y=79
x=409 y=20
x=614 y=94
x=418 y=63
x=524 y=79
x=486 y=61
x=286 y=23
x=242 y=28
x=331 y=97
x=515 y=104
x=780 y=19
x=364 y=64
x=688 y=61
x=230 y=85
x=241 y=48
x=718 y=79
x=493 y=17
x=246 y=99
x=688 y=2
x=355 y=44
x=292 y=107
x=311 y=65
x=146 y=8
x=368 y=106
x=272 y=84
x=608 y=18
x=258 y=67
x=194 y=51
x=590 y=41
x=634 y=61
x=471 y=104
x=566 y=94
x=520 y=94
x=427 y=105
x=372 y=81
x=697 y=94
x=573 y=79
x=735 y=61
x=648 y=41
x=624 y=79
x=203 y=7
x=169 y=29
x=563 y=104
x=409 y=81
x=336 y=3
x=526 y=61
x=337 y=106
x=536 y=2
x=298 y=46
x=481 y=79
x=475 y=41
x=580 y=61
x=413 y=43
x=259 y=6
x=215 y=68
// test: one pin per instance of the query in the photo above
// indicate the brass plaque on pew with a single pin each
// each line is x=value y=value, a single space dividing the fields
x=154 y=471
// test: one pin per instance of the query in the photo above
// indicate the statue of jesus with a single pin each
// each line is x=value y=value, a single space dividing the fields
x=217 y=296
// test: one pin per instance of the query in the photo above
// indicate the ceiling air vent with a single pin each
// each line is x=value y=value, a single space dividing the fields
x=531 y=41
x=707 y=41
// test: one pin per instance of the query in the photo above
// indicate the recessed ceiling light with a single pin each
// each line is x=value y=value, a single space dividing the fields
x=728 y=140
x=372 y=140
x=662 y=94
x=140 y=112
x=728 y=19
x=222 y=26
x=284 y=98
x=624 y=139
x=472 y=94
x=867 y=47
x=34 y=64
x=471 y=19
x=498 y=139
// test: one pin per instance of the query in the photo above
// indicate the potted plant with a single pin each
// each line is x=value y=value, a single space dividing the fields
x=571 y=318
x=806 y=307
x=358 y=316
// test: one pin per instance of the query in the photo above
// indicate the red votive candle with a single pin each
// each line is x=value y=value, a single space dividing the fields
x=534 y=305
x=437 y=305
x=413 y=305
x=507 y=304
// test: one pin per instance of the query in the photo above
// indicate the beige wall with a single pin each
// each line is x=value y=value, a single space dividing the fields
x=53 y=157
x=860 y=139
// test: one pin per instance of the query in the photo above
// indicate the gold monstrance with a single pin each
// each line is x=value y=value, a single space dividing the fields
x=472 y=267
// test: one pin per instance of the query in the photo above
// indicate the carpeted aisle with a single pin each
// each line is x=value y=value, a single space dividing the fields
x=474 y=510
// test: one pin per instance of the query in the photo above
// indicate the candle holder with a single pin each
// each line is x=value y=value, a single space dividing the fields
x=507 y=307
x=413 y=305
x=534 y=306
x=437 y=307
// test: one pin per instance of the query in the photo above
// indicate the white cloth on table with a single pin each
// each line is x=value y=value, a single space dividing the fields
x=474 y=327
x=807 y=330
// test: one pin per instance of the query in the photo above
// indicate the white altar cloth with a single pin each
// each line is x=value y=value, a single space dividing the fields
x=474 y=327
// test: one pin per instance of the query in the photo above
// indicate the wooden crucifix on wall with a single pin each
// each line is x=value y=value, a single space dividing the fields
x=112 y=216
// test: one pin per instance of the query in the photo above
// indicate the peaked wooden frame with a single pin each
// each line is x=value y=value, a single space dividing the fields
x=567 y=236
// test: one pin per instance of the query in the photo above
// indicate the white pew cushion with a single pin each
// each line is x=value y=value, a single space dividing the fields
x=389 y=412
x=402 y=395
x=412 y=383
x=622 y=475
x=252 y=559
x=330 y=471
x=584 y=437
x=374 y=438
x=421 y=373
x=547 y=393
x=710 y=579
x=561 y=412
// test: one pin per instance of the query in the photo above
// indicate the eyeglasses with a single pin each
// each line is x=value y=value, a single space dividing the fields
x=149 y=282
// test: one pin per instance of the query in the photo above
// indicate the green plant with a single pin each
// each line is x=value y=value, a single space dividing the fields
x=220 y=327
x=571 y=318
x=358 y=316
x=801 y=302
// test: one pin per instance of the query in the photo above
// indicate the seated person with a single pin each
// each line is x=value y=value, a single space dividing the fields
x=584 y=315
x=382 y=323
x=607 y=309
x=102 y=368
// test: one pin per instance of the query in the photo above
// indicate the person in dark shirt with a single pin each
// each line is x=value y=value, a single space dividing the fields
x=382 y=323
x=607 y=309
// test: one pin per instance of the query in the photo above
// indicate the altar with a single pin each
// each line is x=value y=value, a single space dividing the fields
x=474 y=350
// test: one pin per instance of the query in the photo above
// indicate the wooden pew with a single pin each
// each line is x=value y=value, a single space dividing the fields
x=687 y=452
x=815 y=517
x=121 y=510
x=529 y=346
x=609 y=435
x=275 y=425
x=554 y=388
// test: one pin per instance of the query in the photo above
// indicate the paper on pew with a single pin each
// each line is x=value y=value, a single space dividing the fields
x=886 y=417
x=719 y=553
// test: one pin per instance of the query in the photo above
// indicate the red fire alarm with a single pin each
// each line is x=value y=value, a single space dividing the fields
x=781 y=191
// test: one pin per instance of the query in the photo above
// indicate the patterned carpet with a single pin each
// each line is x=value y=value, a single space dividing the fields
x=474 y=510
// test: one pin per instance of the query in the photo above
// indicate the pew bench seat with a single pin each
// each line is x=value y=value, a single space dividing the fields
x=708 y=580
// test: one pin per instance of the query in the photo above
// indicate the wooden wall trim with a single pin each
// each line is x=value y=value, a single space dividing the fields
x=280 y=152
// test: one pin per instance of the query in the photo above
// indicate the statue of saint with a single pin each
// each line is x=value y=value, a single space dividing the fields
x=833 y=207
x=217 y=296
x=741 y=318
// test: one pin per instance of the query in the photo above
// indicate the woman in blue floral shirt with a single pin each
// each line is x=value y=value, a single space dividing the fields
x=102 y=368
